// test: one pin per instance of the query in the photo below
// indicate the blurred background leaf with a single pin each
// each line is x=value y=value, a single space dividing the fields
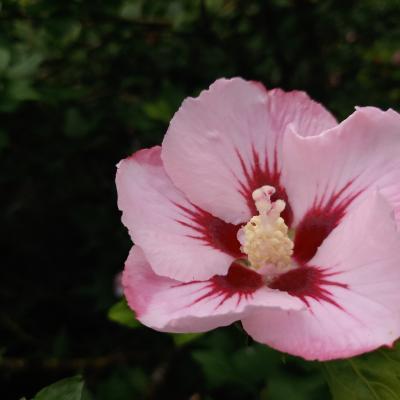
x=182 y=339
x=121 y=313
x=369 y=377
x=66 y=389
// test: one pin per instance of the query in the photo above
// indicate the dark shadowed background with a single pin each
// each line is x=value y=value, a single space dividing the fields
x=85 y=83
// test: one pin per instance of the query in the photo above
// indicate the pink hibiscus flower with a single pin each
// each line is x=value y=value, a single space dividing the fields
x=259 y=207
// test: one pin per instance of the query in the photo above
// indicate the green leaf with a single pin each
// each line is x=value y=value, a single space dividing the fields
x=180 y=339
x=216 y=367
x=131 y=10
x=76 y=124
x=66 y=389
x=374 y=376
x=295 y=387
x=4 y=58
x=159 y=110
x=26 y=66
x=122 y=314
x=254 y=363
x=21 y=90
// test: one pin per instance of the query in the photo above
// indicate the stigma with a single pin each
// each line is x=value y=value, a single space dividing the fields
x=265 y=238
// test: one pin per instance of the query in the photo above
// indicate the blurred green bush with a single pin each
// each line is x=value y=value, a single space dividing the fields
x=83 y=84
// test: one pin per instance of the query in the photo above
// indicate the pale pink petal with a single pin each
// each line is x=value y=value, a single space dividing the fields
x=352 y=292
x=180 y=240
x=227 y=142
x=169 y=305
x=327 y=175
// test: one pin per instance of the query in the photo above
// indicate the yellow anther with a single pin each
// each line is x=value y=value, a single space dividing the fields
x=265 y=237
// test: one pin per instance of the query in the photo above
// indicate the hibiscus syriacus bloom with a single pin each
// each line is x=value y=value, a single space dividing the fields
x=260 y=207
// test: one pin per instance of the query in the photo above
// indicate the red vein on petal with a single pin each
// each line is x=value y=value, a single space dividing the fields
x=240 y=281
x=308 y=282
x=318 y=223
x=211 y=230
x=260 y=174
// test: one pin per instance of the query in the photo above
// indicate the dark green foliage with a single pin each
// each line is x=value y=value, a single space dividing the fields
x=374 y=376
x=85 y=83
x=253 y=371
x=66 y=389
x=121 y=313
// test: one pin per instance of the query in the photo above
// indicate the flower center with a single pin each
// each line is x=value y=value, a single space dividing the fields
x=265 y=238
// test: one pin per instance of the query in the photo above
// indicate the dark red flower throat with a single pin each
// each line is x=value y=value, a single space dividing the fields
x=305 y=282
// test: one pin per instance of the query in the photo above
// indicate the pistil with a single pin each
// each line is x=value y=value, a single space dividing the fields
x=265 y=238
